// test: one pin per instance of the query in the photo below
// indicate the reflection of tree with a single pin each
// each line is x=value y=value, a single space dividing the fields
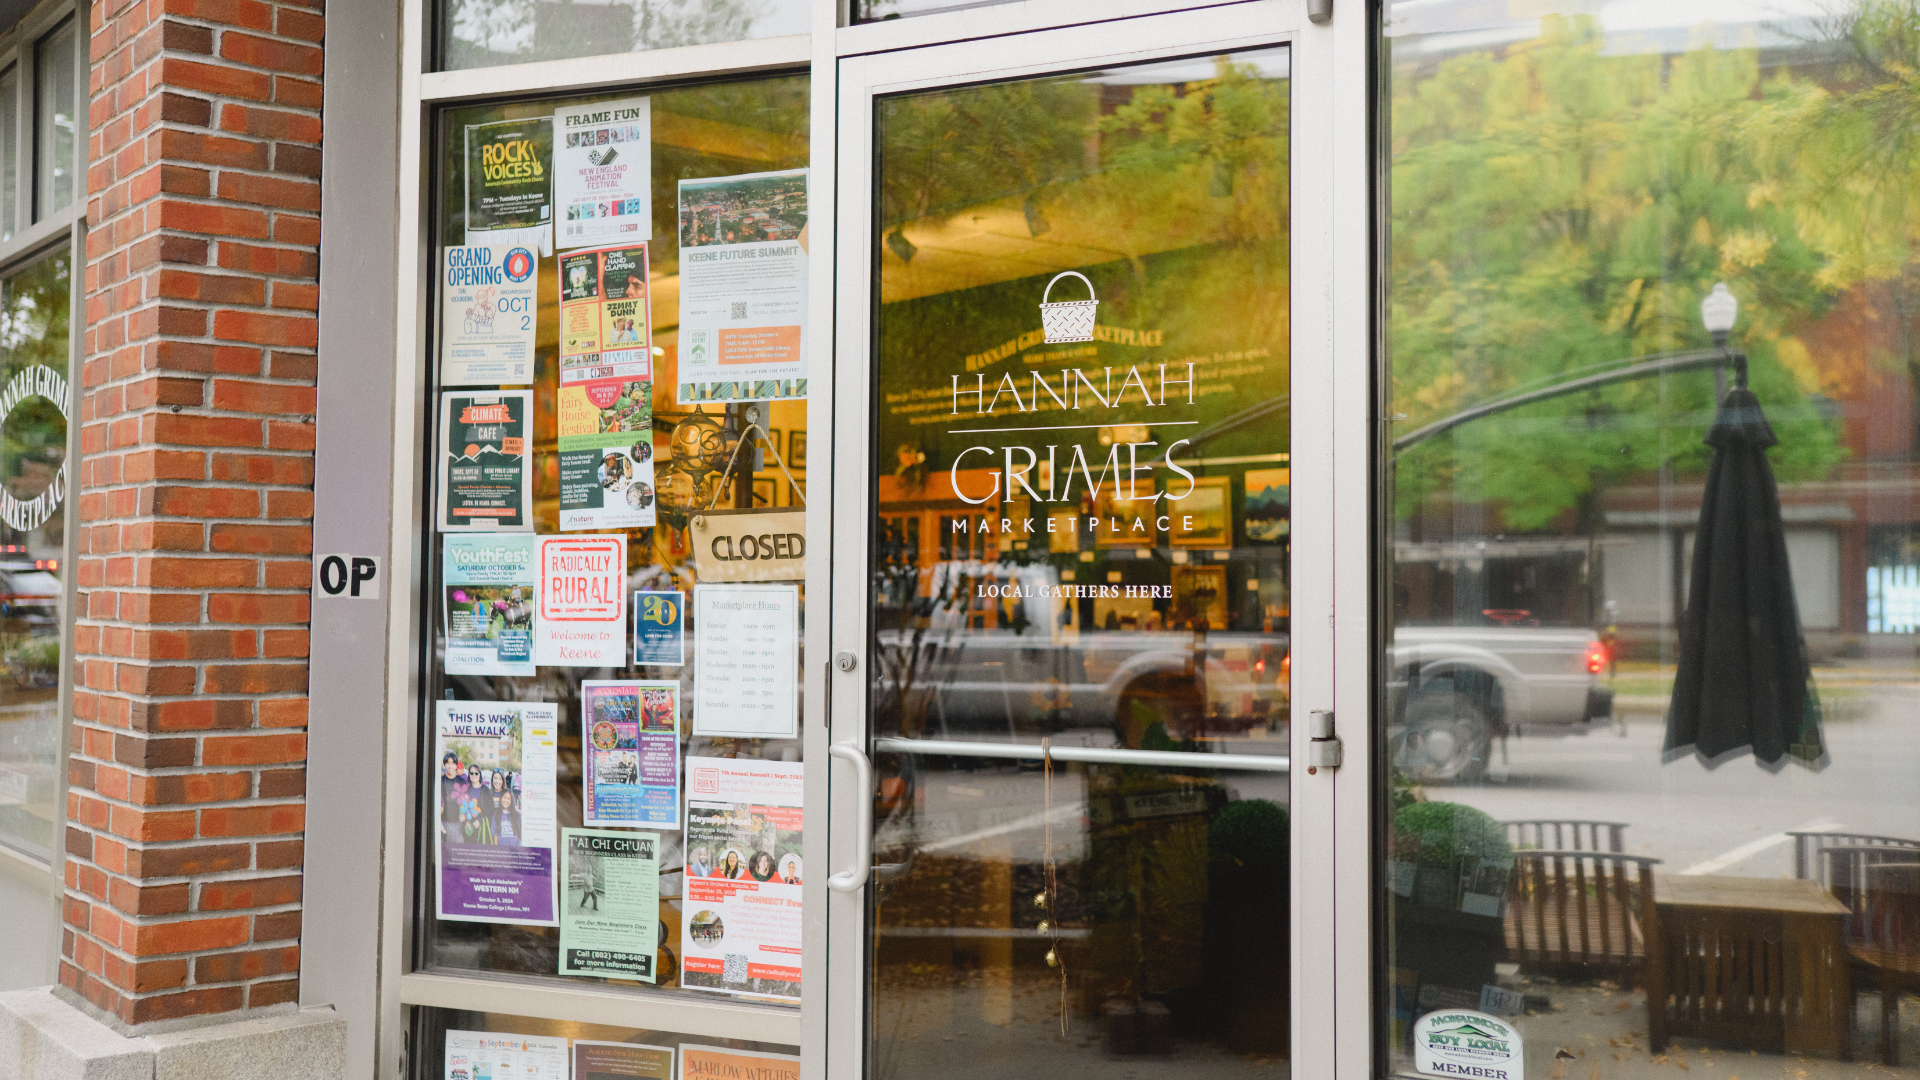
x=1556 y=209
x=484 y=32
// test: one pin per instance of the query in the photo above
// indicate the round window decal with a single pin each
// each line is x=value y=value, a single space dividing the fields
x=36 y=381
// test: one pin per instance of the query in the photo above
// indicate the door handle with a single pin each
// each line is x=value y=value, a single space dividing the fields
x=855 y=879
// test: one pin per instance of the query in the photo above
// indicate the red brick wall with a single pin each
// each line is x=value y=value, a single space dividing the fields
x=187 y=782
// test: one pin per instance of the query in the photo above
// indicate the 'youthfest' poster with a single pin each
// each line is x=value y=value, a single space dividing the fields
x=740 y=912
x=490 y=581
x=486 y=459
x=603 y=163
x=495 y=850
x=606 y=390
x=743 y=287
x=610 y=905
x=510 y=183
x=631 y=736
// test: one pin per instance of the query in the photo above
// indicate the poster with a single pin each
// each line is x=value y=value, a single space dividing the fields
x=606 y=390
x=603 y=165
x=488 y=308
x=743 y=287
x=746 y=650
x=740 y=913
x=490 y=580
x=510 y=183
x=619 y=1061
x=492 y=1055
x=720 y=1063
x=582 y=616
x=610 y=909
x=660 y=628
x=486 y=461
x=495 y=857
x=630 y=732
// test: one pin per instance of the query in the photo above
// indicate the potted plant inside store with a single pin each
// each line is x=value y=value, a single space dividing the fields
x=1247 y=924
x=1451 y=866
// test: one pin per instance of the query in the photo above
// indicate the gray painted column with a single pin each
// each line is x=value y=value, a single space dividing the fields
x=353 y=466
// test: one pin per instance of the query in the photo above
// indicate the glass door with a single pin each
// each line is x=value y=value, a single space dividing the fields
x=1063 y=710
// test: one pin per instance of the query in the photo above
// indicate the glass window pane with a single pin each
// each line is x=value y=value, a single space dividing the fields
x=33 y=485
x=9 y=151
x=563 y=193
x=1649 y=680
x=1081 y=433
x=485 y=33
x=453 y=1043
x=56 y=119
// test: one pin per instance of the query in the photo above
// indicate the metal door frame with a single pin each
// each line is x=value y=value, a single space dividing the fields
x=1331 y=363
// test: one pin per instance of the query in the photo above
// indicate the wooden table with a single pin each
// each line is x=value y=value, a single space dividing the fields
x=1754 y=962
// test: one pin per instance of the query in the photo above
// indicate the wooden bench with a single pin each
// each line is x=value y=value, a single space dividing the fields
x=1548 y=834
x=1579 y=912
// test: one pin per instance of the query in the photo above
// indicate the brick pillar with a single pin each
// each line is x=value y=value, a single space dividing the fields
x=187 y=779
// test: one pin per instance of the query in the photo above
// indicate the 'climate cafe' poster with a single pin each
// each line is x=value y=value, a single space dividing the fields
x=606 y=390
x=491 y=581
x=494 y=849
x=486 y=462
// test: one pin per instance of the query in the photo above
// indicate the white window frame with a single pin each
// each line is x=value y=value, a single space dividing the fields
x=1332 y=357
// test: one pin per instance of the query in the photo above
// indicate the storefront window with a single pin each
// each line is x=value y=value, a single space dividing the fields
x=9 y=150
x=1080 y=685
x=610 y=761
x=56 y=119
x=485 y=33
x=33 y=484
x=1648 y=683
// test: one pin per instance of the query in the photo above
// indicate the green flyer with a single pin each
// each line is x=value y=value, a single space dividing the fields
x=610 y=904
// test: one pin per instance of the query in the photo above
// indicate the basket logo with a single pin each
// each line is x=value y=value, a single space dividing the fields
x=1067 y=320
x=1461 y=1042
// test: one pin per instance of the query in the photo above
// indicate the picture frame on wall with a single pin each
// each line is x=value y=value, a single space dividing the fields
x=797 y=450
x=1269 y=505
x=1199 y=592
x=765 y=492
x=1126 y=523
x=1204 y=519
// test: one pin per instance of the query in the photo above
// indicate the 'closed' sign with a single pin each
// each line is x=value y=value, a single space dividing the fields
x=751 y=545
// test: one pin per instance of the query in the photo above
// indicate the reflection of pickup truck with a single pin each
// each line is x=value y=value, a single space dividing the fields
x=1453 y=689
x=998 y=684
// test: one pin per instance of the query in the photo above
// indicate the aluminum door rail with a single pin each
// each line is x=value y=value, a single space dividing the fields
x=1095 y=754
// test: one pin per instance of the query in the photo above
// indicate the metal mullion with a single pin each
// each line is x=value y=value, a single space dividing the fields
x=27 y=243
x=717 y=1019
x=26 y=190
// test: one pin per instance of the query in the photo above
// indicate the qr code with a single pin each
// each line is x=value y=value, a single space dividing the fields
x=736 y=970
x=737 y=309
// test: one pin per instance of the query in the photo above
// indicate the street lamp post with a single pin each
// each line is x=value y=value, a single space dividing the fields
x=1718 y=310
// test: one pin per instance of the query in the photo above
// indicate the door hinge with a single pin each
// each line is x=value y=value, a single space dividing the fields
x=1324 y=748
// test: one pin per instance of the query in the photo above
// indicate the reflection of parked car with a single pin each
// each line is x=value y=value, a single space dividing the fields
x=1455 y=688
x=980 y=682
x=29 y=594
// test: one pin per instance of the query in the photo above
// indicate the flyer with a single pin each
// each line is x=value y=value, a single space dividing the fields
x=610 y=909
x=487 y=307
x=490 y=580
x=492 y=1055
x=740 y=916
x=582 y=614
x=603 y=165
x=606 y=390
x=630 y=732
x=510 y=183
x=746 y=652
x=660 y=628
x=720 y=1063
x=486 y=461
x=743 y=287
x=495 y=858
x=620 y=1061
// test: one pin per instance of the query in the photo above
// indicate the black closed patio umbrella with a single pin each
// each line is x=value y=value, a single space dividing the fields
x=1744 y=681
